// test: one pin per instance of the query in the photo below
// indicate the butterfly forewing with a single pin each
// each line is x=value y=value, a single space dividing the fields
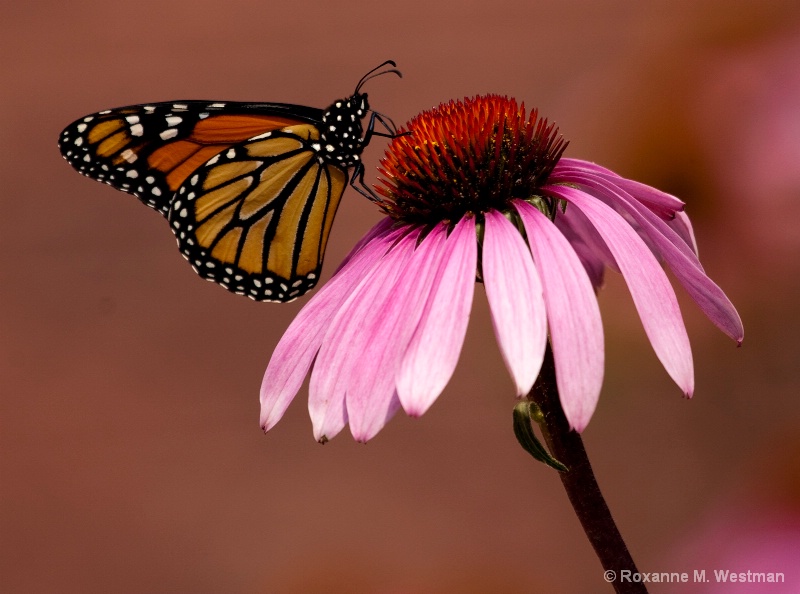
x=256 y=217
x=150 y=150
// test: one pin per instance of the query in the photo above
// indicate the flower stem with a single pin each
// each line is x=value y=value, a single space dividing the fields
x=582 y=489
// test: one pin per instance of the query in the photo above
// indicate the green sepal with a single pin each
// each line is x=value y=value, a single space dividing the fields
x=524 y=413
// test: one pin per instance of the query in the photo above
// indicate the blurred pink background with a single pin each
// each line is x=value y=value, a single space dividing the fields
x=132 y=459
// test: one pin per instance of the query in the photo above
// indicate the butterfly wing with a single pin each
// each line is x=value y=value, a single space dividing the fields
x=150 y=150
x=255 y=218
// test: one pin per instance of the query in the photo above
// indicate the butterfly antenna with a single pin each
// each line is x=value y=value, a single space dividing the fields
x=373 y=73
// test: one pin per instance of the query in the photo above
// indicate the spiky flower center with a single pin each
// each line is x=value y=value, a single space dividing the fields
x=466 y=157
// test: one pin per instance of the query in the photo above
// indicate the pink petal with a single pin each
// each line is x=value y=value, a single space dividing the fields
x=371 y=392
x=683 y=227
x=433 y=352
x=680 y=257
x=663 y=204
x=659 y=202
x=297 y=348
x=565 y=164
x=653 y=229
x=576 y=328
x=652 y=294
x=515 y=299
x=574 y=224
x=592 y=264
x=340 y=355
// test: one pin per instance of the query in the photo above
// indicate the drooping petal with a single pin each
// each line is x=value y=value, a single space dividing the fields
x=433 y=352
x=371 y=393
x=340 y=353
x=679 y=256
x=639 y=216
x=592 y=263
x=576 y=329
x=515 y=298
x=683 y=227
x=567 y=164
x=581 y=227
x=296 y=350
x=664 y=205
x=652 y=294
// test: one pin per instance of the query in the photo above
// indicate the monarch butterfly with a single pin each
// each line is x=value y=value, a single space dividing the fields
x=250 y=190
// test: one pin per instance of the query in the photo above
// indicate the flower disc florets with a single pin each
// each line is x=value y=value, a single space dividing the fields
x=468 y=156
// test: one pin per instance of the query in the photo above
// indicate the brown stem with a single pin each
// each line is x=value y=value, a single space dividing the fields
x=582 y=488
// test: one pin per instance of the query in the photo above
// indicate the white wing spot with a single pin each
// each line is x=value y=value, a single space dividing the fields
x=137 y=130
x=174 y=121
x=156 y=192
x=132 y=173
x=133 y=119
x=167 y=134
x=82 y=128
x=129 y=156
x=79 y=141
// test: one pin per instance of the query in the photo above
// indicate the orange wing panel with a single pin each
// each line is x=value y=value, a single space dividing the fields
x=230 y=129
x=177 y=176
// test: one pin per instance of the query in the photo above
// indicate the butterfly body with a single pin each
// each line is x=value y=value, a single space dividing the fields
x=250 y=190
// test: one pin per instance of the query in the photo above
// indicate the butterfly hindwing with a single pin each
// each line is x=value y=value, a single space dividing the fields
x=150 y=150
x=256 y=217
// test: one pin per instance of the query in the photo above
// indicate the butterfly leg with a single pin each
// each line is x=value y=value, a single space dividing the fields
x=357 y=181
x=358 y=184
x=386 y=122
